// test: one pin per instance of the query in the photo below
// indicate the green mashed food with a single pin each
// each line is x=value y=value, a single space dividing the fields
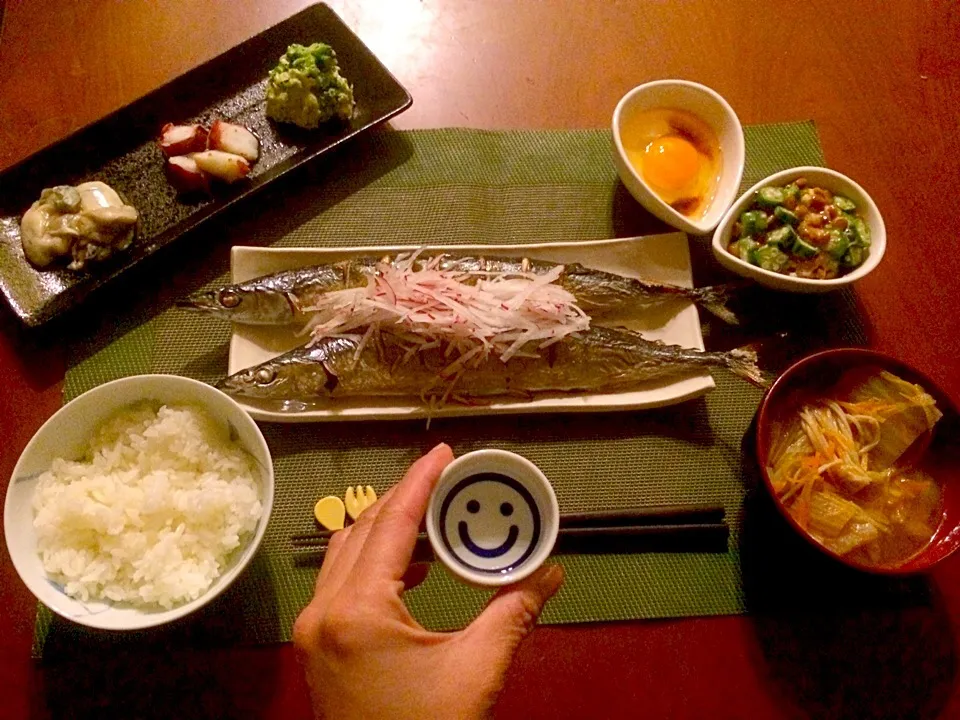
x=306 y=87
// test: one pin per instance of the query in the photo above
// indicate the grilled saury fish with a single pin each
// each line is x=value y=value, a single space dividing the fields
x=281 y=298
x=598 y=360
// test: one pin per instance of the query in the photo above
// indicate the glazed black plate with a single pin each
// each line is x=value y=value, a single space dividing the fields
x=122 y=151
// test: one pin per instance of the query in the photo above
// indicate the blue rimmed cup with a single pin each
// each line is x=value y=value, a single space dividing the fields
x=493 y=518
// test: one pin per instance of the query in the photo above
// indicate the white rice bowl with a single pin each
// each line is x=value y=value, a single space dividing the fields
x=153 y=516
x=139 y=502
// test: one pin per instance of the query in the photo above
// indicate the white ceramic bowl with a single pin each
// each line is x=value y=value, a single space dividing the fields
x=819 y=177
x=493 y=518
x=716 y=112
x=65 y=434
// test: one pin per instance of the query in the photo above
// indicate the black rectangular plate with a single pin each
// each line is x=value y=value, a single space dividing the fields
x=122 y=151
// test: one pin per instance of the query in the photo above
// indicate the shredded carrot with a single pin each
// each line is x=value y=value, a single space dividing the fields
x=812 y=461
x=802 y=507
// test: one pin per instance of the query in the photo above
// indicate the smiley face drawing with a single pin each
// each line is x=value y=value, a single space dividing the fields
x=490 y=522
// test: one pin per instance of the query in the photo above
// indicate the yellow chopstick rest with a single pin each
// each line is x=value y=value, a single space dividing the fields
x=329 y=512
x=359 y=499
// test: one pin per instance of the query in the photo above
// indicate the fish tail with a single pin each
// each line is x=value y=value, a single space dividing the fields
x=714 y=298
x=742 y=361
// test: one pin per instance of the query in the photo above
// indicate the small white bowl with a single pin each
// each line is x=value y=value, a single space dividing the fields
x=65 y=435
x=716 y=112
x=819 y=177
x=493 y=518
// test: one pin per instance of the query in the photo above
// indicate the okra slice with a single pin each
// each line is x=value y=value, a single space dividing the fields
x=861 y=232
x=854 y=257
x=837 y=245
x=753 y=222
x=770 y=196
x=770 y=257
x=791 y=190
x=801 y=248
x=781 y=237
x=844 y=203
x=785 y=216
x=743 y=248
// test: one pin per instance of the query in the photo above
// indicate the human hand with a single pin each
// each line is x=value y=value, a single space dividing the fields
x=364 y=654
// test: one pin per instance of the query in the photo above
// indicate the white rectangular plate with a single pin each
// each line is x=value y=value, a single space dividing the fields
x=656 y=258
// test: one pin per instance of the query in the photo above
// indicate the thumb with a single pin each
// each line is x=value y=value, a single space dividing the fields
x=511 y=615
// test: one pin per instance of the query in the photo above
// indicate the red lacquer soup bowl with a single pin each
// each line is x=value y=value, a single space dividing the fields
x=938 y=451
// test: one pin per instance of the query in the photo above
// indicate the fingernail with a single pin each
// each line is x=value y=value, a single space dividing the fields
x=439 y=446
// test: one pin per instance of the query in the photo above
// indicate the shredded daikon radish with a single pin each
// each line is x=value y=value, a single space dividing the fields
x=476 y=314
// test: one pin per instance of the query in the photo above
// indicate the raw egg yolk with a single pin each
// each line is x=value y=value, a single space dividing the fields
x=670 y=162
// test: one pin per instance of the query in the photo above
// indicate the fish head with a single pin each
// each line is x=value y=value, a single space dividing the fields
x=267 y=381
x=300 y=374
x=239 y=303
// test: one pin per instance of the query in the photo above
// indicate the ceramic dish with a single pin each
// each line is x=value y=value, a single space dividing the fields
x=940 y=459
x=122 y=151
x=709 y=107
x=658 y=258
x=493 y=518
x=817 y=176
x=65 y=434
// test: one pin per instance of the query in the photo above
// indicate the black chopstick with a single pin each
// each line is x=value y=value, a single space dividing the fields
x=307 y=541
x=696 y=537
x=648 y=516
x=620 y=517
x=636 y=530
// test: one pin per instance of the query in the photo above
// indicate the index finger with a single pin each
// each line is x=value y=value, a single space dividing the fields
x=390 y=543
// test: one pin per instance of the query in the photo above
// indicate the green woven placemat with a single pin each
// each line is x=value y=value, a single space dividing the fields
x=466 y=186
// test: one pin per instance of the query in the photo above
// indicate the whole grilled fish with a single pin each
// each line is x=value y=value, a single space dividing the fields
x=598 y=360
x=279 y=299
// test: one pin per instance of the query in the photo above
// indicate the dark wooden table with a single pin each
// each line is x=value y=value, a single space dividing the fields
x=882 y=82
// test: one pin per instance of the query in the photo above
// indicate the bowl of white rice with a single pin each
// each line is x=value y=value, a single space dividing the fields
x=139 y=502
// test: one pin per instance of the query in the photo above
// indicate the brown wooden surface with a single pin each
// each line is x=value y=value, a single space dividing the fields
x=882 y=82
